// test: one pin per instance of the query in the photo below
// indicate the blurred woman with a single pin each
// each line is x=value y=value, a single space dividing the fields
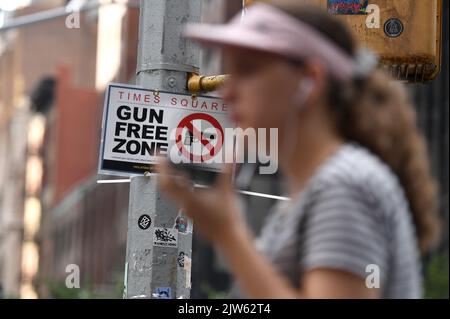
x=362 y=202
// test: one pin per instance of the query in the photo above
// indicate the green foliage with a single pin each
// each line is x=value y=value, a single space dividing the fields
x=436 y=277
x=212 y=293
x=58 y=290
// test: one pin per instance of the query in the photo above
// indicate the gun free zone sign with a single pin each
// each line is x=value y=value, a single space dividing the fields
x=139 y=125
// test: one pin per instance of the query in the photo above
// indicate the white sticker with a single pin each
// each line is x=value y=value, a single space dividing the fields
x=125 y=281
x=187 y=269
x=165 y=237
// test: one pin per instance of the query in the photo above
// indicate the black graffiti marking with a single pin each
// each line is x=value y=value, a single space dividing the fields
x=144 y=222
x=180 y=259
x=164 y=235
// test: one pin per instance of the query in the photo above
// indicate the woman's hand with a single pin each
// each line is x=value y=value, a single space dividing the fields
x=215 y=210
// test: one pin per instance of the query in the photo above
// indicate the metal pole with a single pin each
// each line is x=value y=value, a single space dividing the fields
x=164 y=61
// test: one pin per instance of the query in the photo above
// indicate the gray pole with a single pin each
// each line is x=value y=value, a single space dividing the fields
x=164 y=59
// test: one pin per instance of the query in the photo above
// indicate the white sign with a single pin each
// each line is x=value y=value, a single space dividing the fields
x=165 y=237
x=139 y=124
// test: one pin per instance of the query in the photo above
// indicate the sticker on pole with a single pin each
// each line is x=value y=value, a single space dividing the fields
x=140 y=125
x=348 y=7
x=165 y=237
x=163 y=293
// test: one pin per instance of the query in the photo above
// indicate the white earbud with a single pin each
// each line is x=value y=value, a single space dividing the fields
x=303 y=92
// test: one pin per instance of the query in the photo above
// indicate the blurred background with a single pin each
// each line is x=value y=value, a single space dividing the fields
x=52 y=212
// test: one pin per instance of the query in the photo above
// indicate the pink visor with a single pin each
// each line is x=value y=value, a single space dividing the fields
x=266 y=28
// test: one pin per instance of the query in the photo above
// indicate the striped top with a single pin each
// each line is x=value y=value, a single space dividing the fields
x=352 y=215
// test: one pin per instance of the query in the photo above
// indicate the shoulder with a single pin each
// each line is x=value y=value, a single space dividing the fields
x=353 y=206
x=355 y=170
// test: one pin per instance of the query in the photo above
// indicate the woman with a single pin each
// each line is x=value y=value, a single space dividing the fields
x=363 y=201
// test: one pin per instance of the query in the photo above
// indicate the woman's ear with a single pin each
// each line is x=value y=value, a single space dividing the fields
x=313 y=81
x=304 y=90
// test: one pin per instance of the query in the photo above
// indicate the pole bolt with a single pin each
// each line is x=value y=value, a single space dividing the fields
x=171 y=81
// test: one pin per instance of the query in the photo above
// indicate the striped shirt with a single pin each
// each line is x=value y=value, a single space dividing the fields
x=351 y=216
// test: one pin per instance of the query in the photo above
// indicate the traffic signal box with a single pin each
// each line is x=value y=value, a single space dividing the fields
x=406 y=34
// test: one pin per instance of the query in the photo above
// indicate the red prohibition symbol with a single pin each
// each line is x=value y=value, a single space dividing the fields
x=194 y=133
